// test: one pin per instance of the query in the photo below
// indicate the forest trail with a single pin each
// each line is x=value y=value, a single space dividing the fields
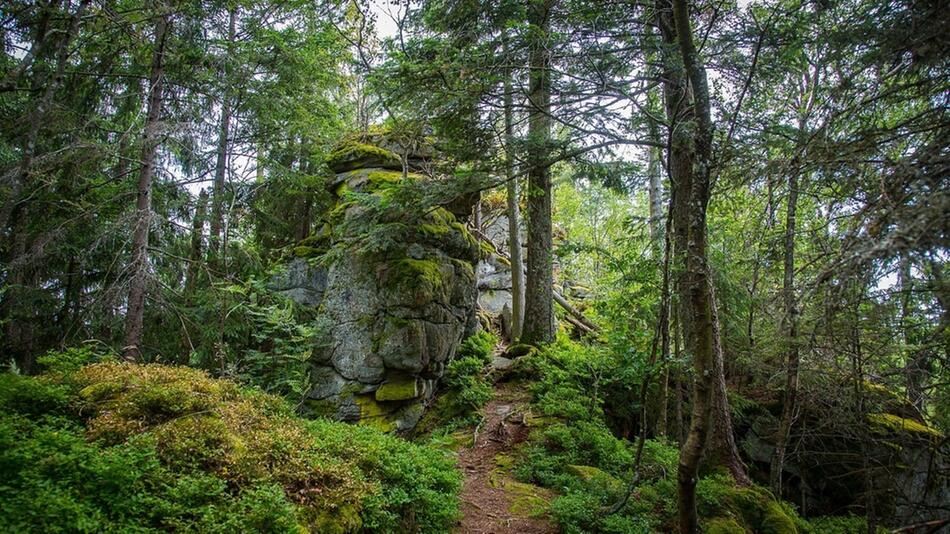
x=493 y=502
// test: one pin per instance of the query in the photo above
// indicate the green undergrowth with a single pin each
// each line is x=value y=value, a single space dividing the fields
x=118 y=447
x=464 y=389
x=572 y=451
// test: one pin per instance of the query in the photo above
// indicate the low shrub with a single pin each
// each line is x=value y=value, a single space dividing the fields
x=123 y=447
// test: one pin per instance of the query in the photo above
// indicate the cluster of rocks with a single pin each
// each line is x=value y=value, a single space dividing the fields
x=389 y=321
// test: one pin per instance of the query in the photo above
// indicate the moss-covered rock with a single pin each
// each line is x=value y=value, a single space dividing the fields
x=353 y=154
x=890 y=424
x=396 y=307
x=374 y=414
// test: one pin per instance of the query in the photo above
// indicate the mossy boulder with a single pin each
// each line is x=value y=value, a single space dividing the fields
x=894 y=425
x=354 y=154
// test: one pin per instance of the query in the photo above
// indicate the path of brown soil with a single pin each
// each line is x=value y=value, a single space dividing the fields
x=489 y=491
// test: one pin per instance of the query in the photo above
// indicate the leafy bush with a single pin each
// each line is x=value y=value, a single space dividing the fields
x=465 y=384
x=123 y=447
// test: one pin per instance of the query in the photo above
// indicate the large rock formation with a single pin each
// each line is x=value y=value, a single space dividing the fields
x=395 y=294
x=838 y=456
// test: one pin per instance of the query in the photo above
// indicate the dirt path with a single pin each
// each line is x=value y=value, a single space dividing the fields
x=492 y=501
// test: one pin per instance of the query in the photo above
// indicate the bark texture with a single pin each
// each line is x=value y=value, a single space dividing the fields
x=539 y=286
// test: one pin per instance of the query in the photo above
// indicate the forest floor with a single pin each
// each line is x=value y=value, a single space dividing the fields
x=493 y=502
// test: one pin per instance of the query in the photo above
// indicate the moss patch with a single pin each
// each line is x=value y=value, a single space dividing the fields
x=423 y=278
x=724 y=525
x=527 y=500
x=397 y=389
x=197 y=422
x=593 y=475
x=353 y=152
x=885 y=423
x=374 y=414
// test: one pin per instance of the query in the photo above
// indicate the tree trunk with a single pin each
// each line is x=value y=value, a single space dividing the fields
x=690 y=175
x=661 y=248
x=514 y=217
x=37 y=46
x=139 y=263
x=221 y=162
x=197 y=242
x=790 y=395
x=915 y=360
x=14 y=212
x=539 y=285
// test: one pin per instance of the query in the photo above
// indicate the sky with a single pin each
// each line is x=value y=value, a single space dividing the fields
x=385 y=10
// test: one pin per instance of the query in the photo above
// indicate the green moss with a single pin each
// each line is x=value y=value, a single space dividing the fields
x=199 y=423
x=528 y=506
x=397 y=389
x=433 y=231
x=776 y=521
x=527 y=500
x=319 y=408
x=520 y=349
x=724 y=525
x=193 y=453
x=422 y=277
x=307 y=252
x=352 y=151
x=504 y=461
x=885 y=423
x=339 y=521
x=373 y=414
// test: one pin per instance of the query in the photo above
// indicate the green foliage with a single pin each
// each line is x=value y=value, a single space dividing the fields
x=31 y=396
x=262 y=339
x=842 y=525
x=120 y=447
x=56 y=481
x=466 y=386
x=416 y=488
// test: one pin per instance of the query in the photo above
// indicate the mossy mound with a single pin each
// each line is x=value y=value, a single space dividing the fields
x=752 y=508
x=324 y=476
x=202 y=423
x=724 y=525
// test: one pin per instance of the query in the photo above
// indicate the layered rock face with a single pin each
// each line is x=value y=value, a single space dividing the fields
x=391 y=318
